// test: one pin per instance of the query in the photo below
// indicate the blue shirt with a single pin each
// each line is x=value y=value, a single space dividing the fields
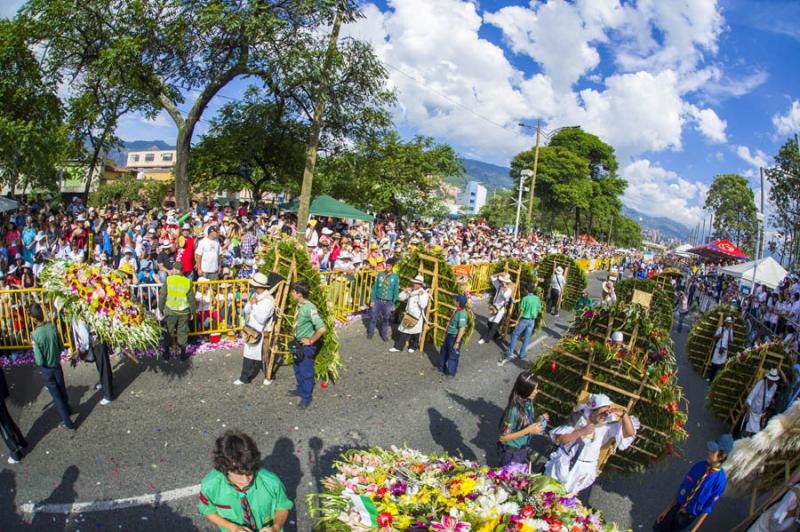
x=708 y=493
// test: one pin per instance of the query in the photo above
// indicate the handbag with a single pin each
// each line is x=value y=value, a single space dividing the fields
x=250 y=335
x=493 y=309
x=297 y=351
x=409 y=321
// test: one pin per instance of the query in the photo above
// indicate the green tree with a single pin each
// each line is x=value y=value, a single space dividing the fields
x=32 y=139
x=255 y=144
x=500 y=210
x=626 y=233
x=731 y=200
x=784 y=194
x=386 y=174
x=177 y=55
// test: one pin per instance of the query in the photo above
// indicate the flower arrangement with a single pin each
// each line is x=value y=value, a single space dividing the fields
x=404 y=489
x=660 y=406
x=700 y=344
x=661 y=304
x=102 y=300
x=576 y=278
x=527 y=281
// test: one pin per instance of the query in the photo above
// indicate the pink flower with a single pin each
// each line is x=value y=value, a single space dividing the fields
x=451 y=524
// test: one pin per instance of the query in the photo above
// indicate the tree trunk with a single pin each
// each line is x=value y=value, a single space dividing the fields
x=95 y=156
x=316 y=127
x=577 y=220
x=182 y=147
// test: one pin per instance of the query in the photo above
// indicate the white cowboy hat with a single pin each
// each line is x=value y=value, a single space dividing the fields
x=559 y=269
x=259 y=280
x=504 y=278
x=772 y=375
x=419 y=279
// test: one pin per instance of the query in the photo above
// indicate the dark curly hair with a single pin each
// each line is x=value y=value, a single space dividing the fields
x=236 y=452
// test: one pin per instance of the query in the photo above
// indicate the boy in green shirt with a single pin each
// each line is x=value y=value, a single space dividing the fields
x=239 y=495
x=450 y=351
x=47 y=349
x=308 y=332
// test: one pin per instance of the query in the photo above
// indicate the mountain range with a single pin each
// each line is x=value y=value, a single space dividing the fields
x=492 y=176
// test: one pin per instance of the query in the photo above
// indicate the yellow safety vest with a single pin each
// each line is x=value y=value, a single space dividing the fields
x=178 y=287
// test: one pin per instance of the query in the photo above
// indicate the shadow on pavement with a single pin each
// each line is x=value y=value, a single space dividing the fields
x=284 y=462
x=25 y=384
x=63 y=493
x=488 y=415
x=445 y=434
x=49 y=420
x=8 y=510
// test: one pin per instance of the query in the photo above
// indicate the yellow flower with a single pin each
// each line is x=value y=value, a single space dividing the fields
x=489 y=526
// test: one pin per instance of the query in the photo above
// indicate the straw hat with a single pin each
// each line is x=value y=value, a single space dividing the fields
x=504 y=278
x=772 y=375
x=419 y=279
x=259 y=280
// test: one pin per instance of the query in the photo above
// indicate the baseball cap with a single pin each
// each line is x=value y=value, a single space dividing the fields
x=724 y=443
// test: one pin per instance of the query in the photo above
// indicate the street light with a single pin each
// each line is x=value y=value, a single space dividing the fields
x=548 y=135
x=522 y=177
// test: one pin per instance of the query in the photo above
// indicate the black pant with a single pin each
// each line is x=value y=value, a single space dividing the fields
x=492 y=332
x=552 y=301
x=400 y=341
x=250 y=369
x=712 y=371
x=103 y=363
x=54 y=381
x=10 y=433
x=512 y=455
x=676 y=520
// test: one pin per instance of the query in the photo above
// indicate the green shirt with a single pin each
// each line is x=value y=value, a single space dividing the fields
x=512 y=422
x=530 y=306
x=458 y=321
x=584 y=303
x=308 y=321
x=266 y=495
x=46 y=346
x=386 y=287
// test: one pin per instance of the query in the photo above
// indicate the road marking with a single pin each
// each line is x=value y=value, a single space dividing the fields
x=537 y=342
x=117 y=504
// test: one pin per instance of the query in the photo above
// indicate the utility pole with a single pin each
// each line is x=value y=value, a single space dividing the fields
x=535 y=169
x=759 y=251
x=304 y=204
x=523 y=175
x=703 y=232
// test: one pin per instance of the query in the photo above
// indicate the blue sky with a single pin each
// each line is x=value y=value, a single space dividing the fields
x=683 y=89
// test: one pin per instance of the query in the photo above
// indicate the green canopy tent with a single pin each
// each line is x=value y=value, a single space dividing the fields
x=328 y=206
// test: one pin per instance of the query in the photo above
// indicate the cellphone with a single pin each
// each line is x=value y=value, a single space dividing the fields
x=543 y=422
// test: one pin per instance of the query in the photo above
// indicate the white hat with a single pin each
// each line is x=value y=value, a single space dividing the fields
x=504 y=278
x=259 y=280
x=598 y=400
x=326 y=231
x=617 y=337
x=186 y=226
x=419 y=279
x=772 y=375
x=559 y=269
x=127 y=250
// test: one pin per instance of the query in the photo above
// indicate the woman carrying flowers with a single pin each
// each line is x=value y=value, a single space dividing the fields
x=518 y=423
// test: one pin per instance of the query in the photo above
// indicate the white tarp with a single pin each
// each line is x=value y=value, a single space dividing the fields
x=7 y=204
x=766 y=271
x=682 y=251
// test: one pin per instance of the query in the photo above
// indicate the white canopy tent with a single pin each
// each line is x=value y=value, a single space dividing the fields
x=7 y=204
x=764 y=271
x=682 y=251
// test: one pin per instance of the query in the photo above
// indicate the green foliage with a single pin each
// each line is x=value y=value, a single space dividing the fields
x=576 y=278
x=407 y=269
x=784 y=184
x=661 y=408
x=500 y=210
x=701 y=342
x=254 y=144
x=626 y=233
x=327 y=363
x=600 y=155
x=731 y=200
x=660 y=305
x=527 y=283
x=386 y=174
x=130 y=189
x=32 y=136
x=735 y=381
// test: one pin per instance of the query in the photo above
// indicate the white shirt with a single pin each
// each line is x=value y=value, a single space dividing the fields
x=209 y=251
x=721 y=347
x=259 y=317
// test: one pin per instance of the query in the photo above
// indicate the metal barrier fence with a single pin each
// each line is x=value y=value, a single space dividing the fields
x=220 y=304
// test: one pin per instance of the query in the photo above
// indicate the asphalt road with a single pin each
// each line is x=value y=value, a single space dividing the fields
x=156 y=438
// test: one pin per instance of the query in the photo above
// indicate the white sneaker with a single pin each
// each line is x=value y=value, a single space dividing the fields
x=238 y=382
x=481 y=341
x=267 y=382
x=12 y=461
x=501 y=363
x=393 y=350
x=105 y=401
x=411 y=350
x=98 y=386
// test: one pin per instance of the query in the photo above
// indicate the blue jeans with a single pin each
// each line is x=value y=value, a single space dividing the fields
x=525 y=326
x=448 y=355
x=54 y=382
x=380 y=311
x=304 y=373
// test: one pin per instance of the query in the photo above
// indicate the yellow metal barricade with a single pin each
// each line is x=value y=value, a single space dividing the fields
x=481 y=277
x=348 y=292
x=220 y=306
x=15 y=323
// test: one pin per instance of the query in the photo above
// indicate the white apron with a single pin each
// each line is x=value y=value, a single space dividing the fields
x=501 y=299
x=776 y=518
x=417 y=303
x=259 y=317
x=721 y=348
x=757 y=402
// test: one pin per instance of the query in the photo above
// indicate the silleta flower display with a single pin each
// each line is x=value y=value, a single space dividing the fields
x=404 y=489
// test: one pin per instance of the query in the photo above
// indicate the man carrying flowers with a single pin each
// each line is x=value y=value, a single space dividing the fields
x=177 y=303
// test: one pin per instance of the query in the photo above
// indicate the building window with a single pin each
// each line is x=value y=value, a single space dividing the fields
x=135 y=158
x=149 y=157
x=166 y=156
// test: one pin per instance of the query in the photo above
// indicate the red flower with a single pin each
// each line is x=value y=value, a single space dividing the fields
x=668 y=449
x=664 y=378
x=553 y=366
x=527 y=511
x=555 y=524
x=384 y=519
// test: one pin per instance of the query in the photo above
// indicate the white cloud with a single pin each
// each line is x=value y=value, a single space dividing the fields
x=708 y=123
x=661 y=192
x=9 y=8
x=757 y=159
x=790 y=122
x=135 y=126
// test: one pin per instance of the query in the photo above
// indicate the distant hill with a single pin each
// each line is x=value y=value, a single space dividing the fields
x=668 y=228
x=120 y=156
x=491 y=176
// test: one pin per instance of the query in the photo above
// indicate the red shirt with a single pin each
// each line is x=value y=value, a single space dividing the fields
x=187 y=256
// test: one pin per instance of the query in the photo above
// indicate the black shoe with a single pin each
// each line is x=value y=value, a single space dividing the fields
x=293 y=393
x=303 y=405
x=70 y=426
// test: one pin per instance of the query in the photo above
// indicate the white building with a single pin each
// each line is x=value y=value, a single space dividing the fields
x=473 y=197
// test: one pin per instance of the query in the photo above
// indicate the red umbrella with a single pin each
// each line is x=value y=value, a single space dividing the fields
x=720 y=249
